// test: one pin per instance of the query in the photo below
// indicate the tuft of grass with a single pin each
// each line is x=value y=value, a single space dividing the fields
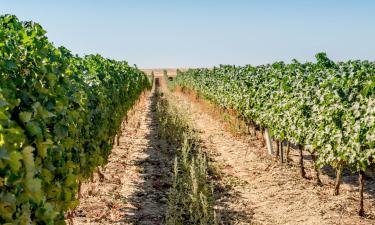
x=191 y=197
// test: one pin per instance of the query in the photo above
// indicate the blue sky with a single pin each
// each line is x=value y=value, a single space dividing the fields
x=192 y=33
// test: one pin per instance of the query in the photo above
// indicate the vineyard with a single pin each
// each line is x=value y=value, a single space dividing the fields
x=325 y=108
x=90 y=140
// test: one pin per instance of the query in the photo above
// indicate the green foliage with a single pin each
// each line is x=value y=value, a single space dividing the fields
x=58 y=116
x=327 y=107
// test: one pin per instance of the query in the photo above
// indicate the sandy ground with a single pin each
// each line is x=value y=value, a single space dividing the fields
x=267 y=191
x=136 y=177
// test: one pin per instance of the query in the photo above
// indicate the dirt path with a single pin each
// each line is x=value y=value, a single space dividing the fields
x=135 y=184
x=265 y=190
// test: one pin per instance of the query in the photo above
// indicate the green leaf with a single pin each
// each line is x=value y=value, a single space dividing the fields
x=28 y=160
x=4 y=153
x=47 y=176
x=43 y=146
x=3 y=115
x=25 y=116
x=61 y=131
x=34 y=188
x=33 y=128
x=3 y=102
x=10 y=64
x=8 y=205
x=2 y=142
x=15 y=158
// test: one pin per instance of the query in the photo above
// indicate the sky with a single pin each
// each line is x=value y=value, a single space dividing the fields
x=204 y=33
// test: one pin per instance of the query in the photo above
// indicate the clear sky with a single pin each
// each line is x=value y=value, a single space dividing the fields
x=193 y=33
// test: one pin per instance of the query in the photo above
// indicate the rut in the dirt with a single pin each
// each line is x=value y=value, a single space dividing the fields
x=271 y=193
x=135 y=179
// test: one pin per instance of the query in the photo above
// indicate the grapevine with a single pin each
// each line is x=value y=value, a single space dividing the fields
x=326 y=108
x=59 y=114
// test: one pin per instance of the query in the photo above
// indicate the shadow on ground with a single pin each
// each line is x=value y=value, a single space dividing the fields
x=150 y=197
x=348 y=177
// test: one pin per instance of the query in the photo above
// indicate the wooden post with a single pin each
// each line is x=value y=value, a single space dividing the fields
x=92 y=177
x=281 y=152
x=263 y=138
x=302 y=168
x=100 y=174
x=79 y=189
x=119 y=134
x=254 y=130
x=287 y=151
x=268 y=141
x=361 y=187
x=277 y=148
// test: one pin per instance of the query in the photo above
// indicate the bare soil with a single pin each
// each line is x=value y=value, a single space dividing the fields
x=136 y=178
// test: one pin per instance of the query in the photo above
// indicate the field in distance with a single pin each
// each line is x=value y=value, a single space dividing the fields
x=160 y=72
